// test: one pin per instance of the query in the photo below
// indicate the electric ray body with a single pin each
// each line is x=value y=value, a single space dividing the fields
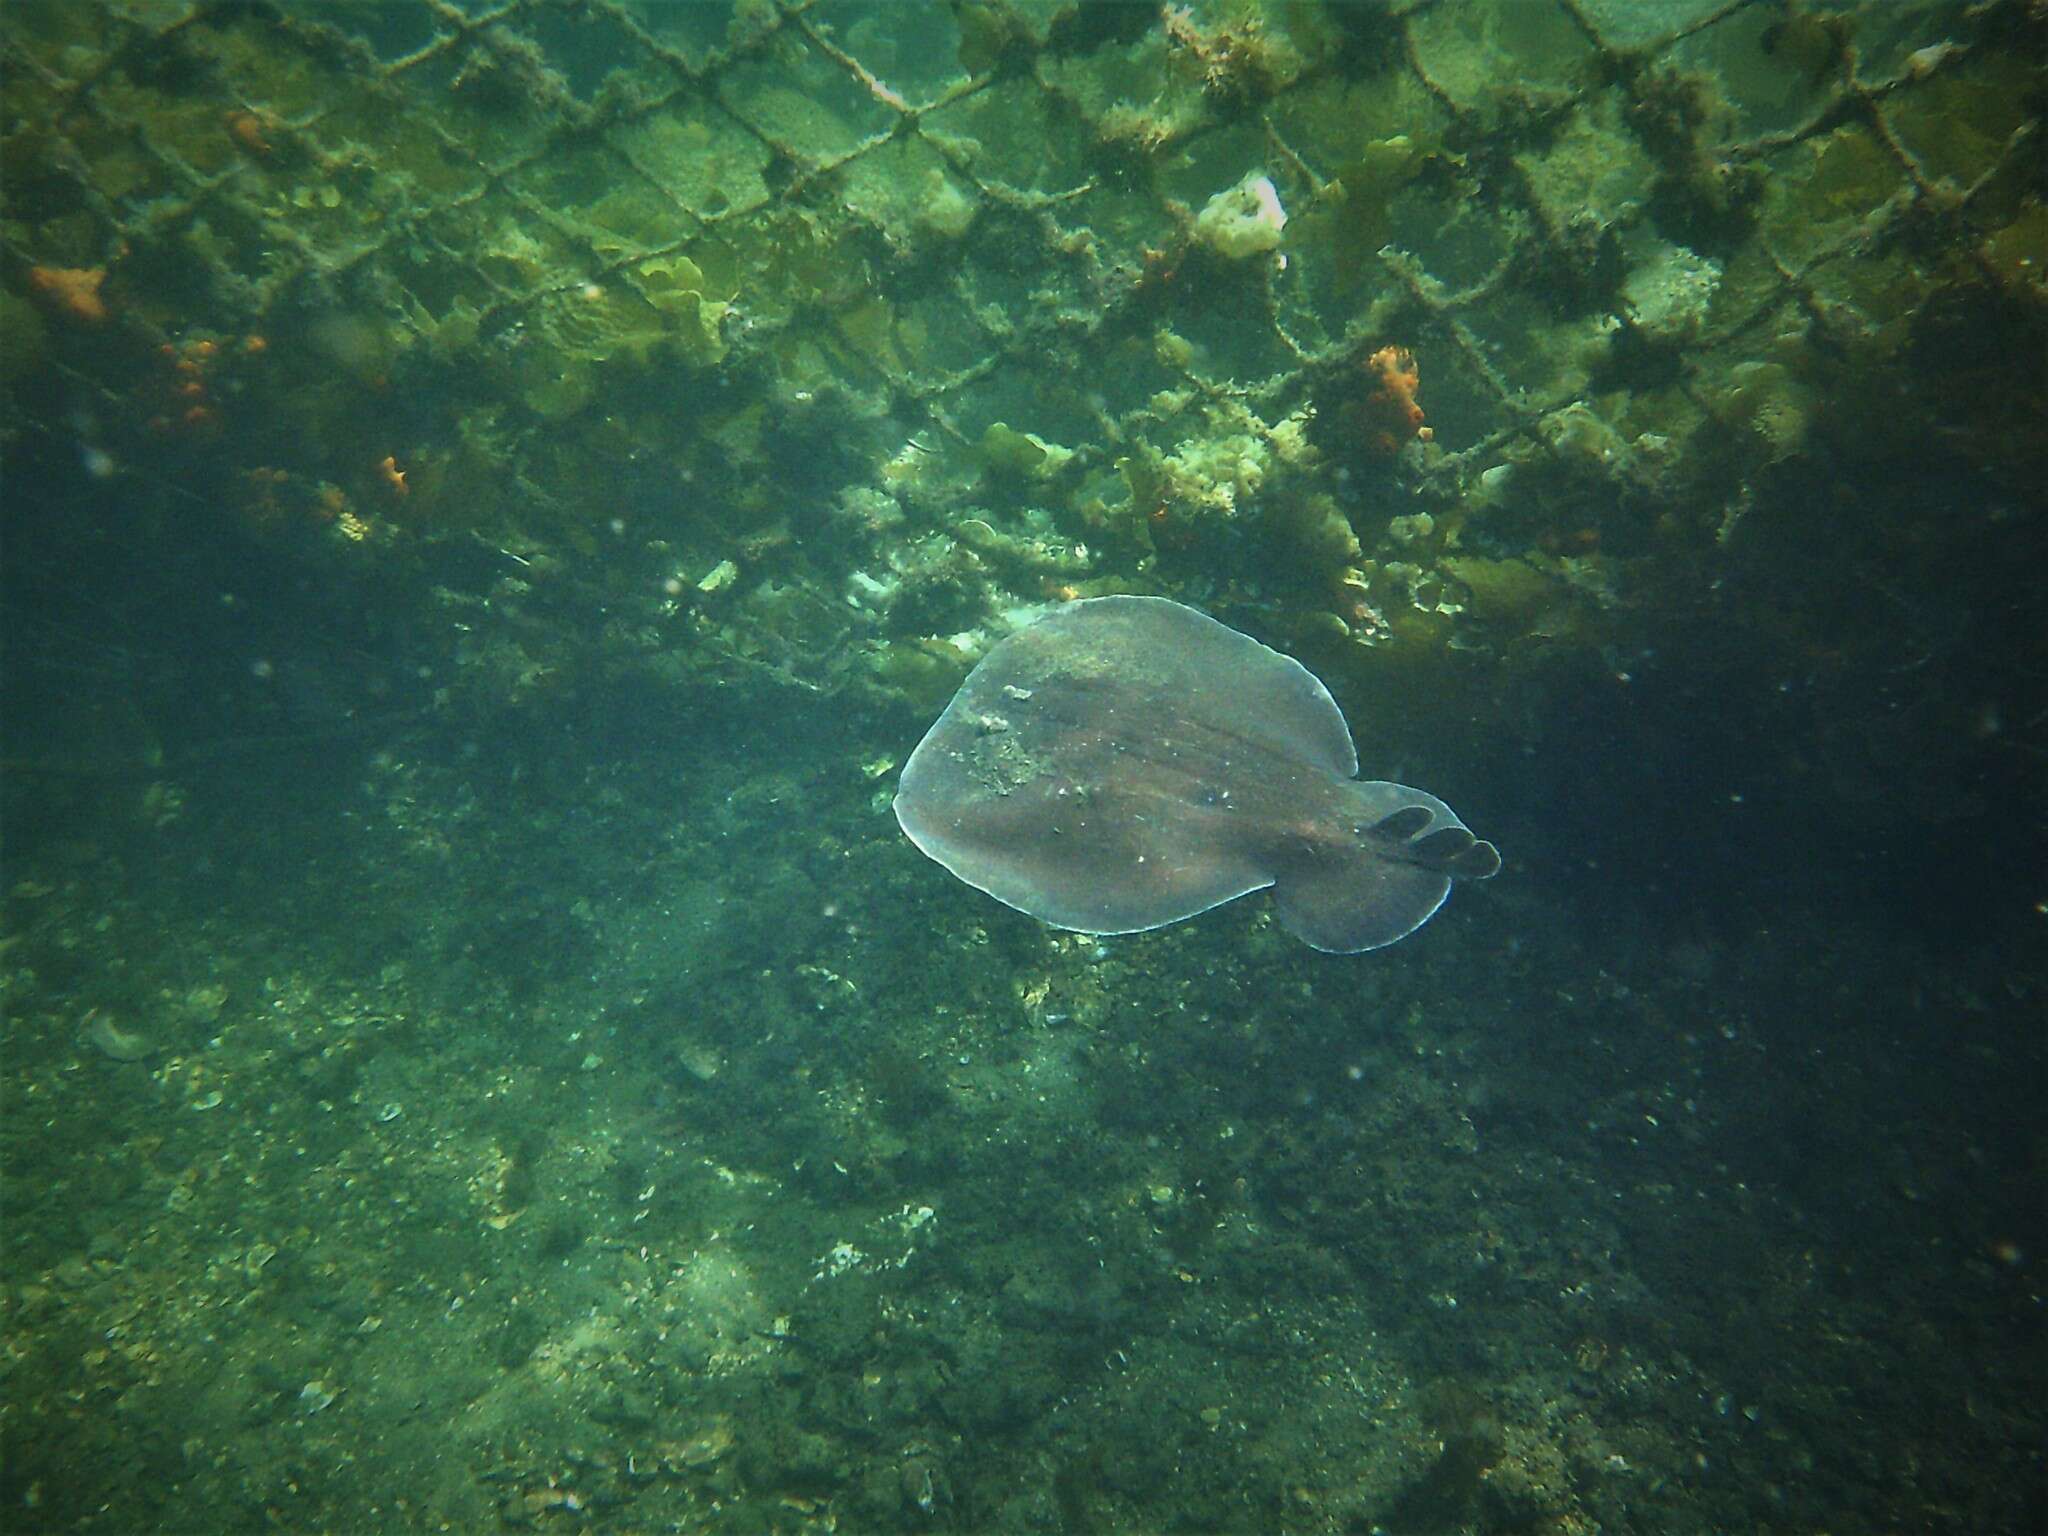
x=1127 y=762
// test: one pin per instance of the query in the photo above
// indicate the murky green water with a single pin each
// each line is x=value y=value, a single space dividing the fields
x=492 y=499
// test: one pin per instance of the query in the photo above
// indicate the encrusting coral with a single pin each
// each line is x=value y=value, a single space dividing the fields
x=1243 y=220
x=1388 y=418
x=71 y=291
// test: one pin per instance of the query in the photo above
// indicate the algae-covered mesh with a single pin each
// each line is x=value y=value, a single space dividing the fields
x=792 y=339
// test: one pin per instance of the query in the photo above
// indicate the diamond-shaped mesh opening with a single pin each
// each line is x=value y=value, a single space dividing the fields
x=803 y=103
x=1015 y=135
x=1112 y=86
x=691 y=34
x=1761 y=83
x=1960 y=127
x=700 y=155
x=586 y=46
x=920 y=61
x=1822 y=191
x=1480 y=56
x=906 y=185
x=595 y=198
x=492 y=93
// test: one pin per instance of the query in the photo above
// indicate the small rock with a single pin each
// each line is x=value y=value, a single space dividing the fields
x=73 y=1273
x=110 y=1040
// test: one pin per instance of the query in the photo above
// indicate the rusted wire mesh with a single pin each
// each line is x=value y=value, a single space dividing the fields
x=835 y=307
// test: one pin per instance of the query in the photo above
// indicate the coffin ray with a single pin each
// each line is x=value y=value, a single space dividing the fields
x=1127 y=762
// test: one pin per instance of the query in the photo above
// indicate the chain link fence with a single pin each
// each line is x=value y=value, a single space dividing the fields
x=797 y=336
